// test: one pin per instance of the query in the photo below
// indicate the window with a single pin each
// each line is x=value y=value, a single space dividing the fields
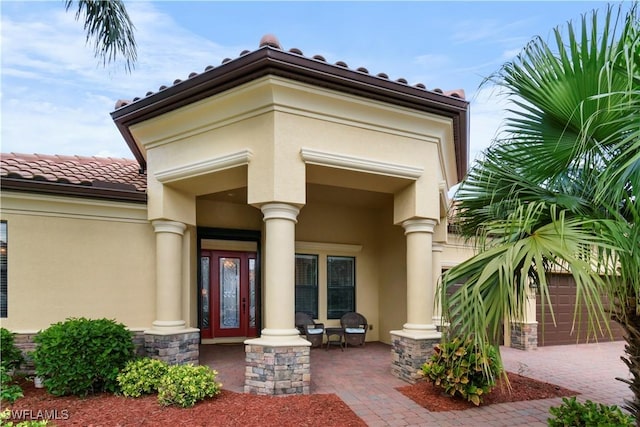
x=3 y=269
x=307 y=284
x=341 y=286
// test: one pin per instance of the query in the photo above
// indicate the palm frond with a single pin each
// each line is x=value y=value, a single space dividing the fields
x=108 y=24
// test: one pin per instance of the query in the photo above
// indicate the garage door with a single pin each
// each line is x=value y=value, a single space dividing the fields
x=563 y=295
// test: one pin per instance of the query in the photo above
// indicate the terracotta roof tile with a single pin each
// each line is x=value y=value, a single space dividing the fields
x=74 y=170
x=271 y=41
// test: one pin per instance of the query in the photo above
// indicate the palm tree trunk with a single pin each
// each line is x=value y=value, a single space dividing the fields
x=630 y=322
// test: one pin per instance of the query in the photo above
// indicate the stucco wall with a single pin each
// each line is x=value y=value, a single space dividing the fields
x=73 y=257
x=392 y=272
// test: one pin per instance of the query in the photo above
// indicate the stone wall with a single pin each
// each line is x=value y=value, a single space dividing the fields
x=277 y=370
x=175 y=349
x=524 y=336
x=408 y=355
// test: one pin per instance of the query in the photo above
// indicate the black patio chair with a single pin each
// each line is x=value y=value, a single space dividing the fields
x=355 y=328
x=311 y=330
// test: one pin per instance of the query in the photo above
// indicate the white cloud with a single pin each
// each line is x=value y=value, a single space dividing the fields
x=56 y=98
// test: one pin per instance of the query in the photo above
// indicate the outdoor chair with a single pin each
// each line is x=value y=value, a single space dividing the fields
x=311 y=330
x=355 y=328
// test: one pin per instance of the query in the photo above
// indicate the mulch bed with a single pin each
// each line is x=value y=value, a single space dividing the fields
x=430 y=397
x=238 y=409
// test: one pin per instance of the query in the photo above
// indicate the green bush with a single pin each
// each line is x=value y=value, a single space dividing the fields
x=141 y=376
x=81 y=356
x=460 y=368
x=6 y=414
x=11 y=355
x=184 y=385
x=8 y=392
x=575 y=414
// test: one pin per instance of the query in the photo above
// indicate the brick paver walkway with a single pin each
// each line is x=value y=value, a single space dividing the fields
x=362 y=378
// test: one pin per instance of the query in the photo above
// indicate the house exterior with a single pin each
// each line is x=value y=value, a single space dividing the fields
x=272 y=183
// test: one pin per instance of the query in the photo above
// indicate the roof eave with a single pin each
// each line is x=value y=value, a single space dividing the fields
x=270 y=61
x=61 y=189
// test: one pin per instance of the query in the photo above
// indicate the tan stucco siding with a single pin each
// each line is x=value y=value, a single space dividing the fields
x=392 y=273
x=70 y=258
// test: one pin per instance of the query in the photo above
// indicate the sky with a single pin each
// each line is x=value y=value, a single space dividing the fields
x=56 y=97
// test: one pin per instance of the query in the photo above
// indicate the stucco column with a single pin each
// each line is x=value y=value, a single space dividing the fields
x=436 y=260
x=279 y=276
x=420 y=277
x=168 y=275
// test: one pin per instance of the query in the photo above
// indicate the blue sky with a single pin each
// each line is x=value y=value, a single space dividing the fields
x=56 y=98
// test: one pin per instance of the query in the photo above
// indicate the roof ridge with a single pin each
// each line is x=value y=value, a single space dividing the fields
x=270 y=41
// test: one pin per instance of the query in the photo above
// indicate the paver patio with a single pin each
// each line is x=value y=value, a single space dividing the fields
x=362 y=378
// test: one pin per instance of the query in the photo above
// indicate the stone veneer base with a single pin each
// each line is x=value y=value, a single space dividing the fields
x=524 y=336
x=26 y=344
x=277 y=370
x=176 y=348
x=408 y=355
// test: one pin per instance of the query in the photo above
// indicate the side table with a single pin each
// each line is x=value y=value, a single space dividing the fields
x=335 y=336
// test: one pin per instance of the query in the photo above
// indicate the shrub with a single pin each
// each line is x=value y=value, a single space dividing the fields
x=141 y=376
x=11 y=355
x=184 y=385
x=8 y=392
x=463 y=369
x=79 y=356
x=6 y=414
x=576 y=414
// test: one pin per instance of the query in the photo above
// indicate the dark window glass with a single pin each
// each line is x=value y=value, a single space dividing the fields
x=3 y=269
x=307 y=284
x=341 y=286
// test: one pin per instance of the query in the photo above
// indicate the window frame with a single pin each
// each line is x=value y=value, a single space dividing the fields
x=4 y=269
x=314 y=312
x=334 y=313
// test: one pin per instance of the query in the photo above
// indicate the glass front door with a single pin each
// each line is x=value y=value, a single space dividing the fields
x=228 y=294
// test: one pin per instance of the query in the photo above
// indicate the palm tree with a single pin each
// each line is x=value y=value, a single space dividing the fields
x=108 y=23
x=558 y=189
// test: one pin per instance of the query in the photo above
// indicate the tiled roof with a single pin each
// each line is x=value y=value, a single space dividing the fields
x=103 y=177
x=271 y=60
x=271 y=41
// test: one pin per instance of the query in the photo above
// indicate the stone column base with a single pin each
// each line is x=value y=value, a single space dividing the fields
x=524 y=336
x=175 y=347
x=408 y=354
x=277 y=370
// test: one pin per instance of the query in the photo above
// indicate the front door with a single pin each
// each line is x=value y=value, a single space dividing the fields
x=228 y=294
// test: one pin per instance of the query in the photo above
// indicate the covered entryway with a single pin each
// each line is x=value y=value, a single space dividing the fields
x=314 y=160
x=562 y=291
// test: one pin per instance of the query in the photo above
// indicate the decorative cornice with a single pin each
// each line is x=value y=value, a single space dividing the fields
x=419 y=225
x=281 y=211
x=360 y=164
x=162 y=226
x=216 y=164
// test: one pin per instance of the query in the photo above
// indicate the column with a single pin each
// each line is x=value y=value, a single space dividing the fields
x=524 y=332
x=436 y=258
x=412 y=346
x=420 y=275
x=279 y=361
x=168 y=275
x=169 y=339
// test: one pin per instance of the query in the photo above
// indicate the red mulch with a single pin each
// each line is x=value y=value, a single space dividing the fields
x=237 y=409
x=432 y=398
